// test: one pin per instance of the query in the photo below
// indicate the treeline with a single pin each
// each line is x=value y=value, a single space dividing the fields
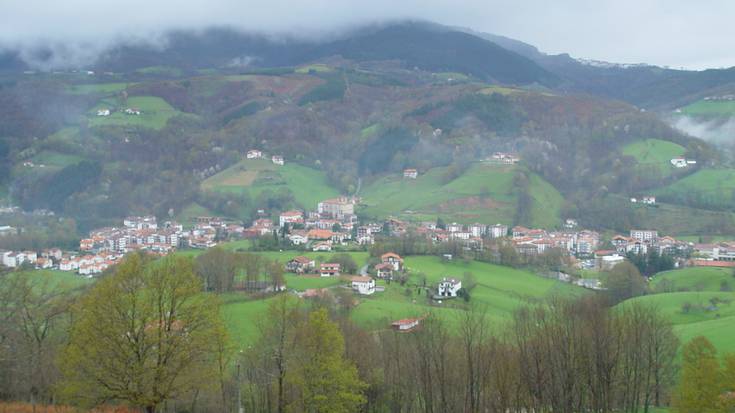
x=561 y=356
x=147 y=335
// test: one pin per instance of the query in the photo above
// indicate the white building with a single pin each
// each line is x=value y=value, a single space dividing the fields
x=410 y=173
x=329 y=269
x=449 y=287
x=363 y=285
x=643 y=235
x=254 y=154
x=7 y=230
x=498 y=231
x=290 y=217
x=103 y=112
x=649 y=200
x=277 y=159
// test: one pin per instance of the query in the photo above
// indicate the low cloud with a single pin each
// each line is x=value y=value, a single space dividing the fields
x=721 y=131
x=664 y=32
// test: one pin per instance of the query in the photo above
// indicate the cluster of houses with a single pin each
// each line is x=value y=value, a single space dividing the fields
x=104 y=112
x=257 y=154
x=105 y=246
x=680 y=162
x=646 y=200
x=503 y=157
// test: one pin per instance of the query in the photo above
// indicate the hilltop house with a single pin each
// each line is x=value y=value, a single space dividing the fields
x=254 y=154
x=300 y=265
x=449 y=287
x=363 y=285
x=329 y=269
x=392 y=259
x=410 y=173
x=103 y=112
x=132 y=111
x=277 y=159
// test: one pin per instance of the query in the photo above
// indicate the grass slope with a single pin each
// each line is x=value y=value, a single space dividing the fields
x=309 y=186
x=691 y=307
x=693 y=279
x=483 y=193
x=155 y=112
x=721 y=332
x=501 y=290
x=715 y=187
x=710 y=108
x=98 y=88
x=655 y=152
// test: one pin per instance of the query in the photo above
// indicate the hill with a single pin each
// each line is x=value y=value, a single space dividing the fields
x=655 y=152
x=485 y=193
x=706 y=188
x=308 y=186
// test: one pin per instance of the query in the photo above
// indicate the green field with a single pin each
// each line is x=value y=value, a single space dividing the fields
x=655 y=152
x=708 y=187
x=155 y=112
x=500 y=290
x=309 y=186
x=98 y=88
x=161 y=71
x=55 y=159
x=693 y=279
x=483 y=193
x=677 y=219
x=318 y=68
x=691 y=307
x=709 y=108
x=698 y=307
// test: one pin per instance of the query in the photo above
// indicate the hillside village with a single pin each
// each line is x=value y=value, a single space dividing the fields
x=334 y=226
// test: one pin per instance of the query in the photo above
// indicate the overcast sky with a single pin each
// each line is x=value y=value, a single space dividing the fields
x=678 y=33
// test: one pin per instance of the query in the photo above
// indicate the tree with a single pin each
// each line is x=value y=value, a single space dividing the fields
x=699 y=387
x=623 y=282
x=346 y=262
x=143 y=335
x=325 y=381
x=217 y=267
x=274 y=270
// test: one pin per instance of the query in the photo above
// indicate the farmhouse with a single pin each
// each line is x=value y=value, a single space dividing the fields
x=277 y=159
x=300 y=265
x=449 y=287
x=322 y=246
x=410 y=173
x=649 y=200
x=406 y=324
x=330 y=269
x=103 y=112
x=384 y=270
x=132 y=111
x=254 y=154
x=363 y=285
x=392 y=259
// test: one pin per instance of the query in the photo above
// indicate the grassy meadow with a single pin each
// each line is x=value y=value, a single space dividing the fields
x=694 y=300
x=708 y=186
x=155 y=112
x=483 y=193
x=309 y=186
x=710 y=108
x=655 y=152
